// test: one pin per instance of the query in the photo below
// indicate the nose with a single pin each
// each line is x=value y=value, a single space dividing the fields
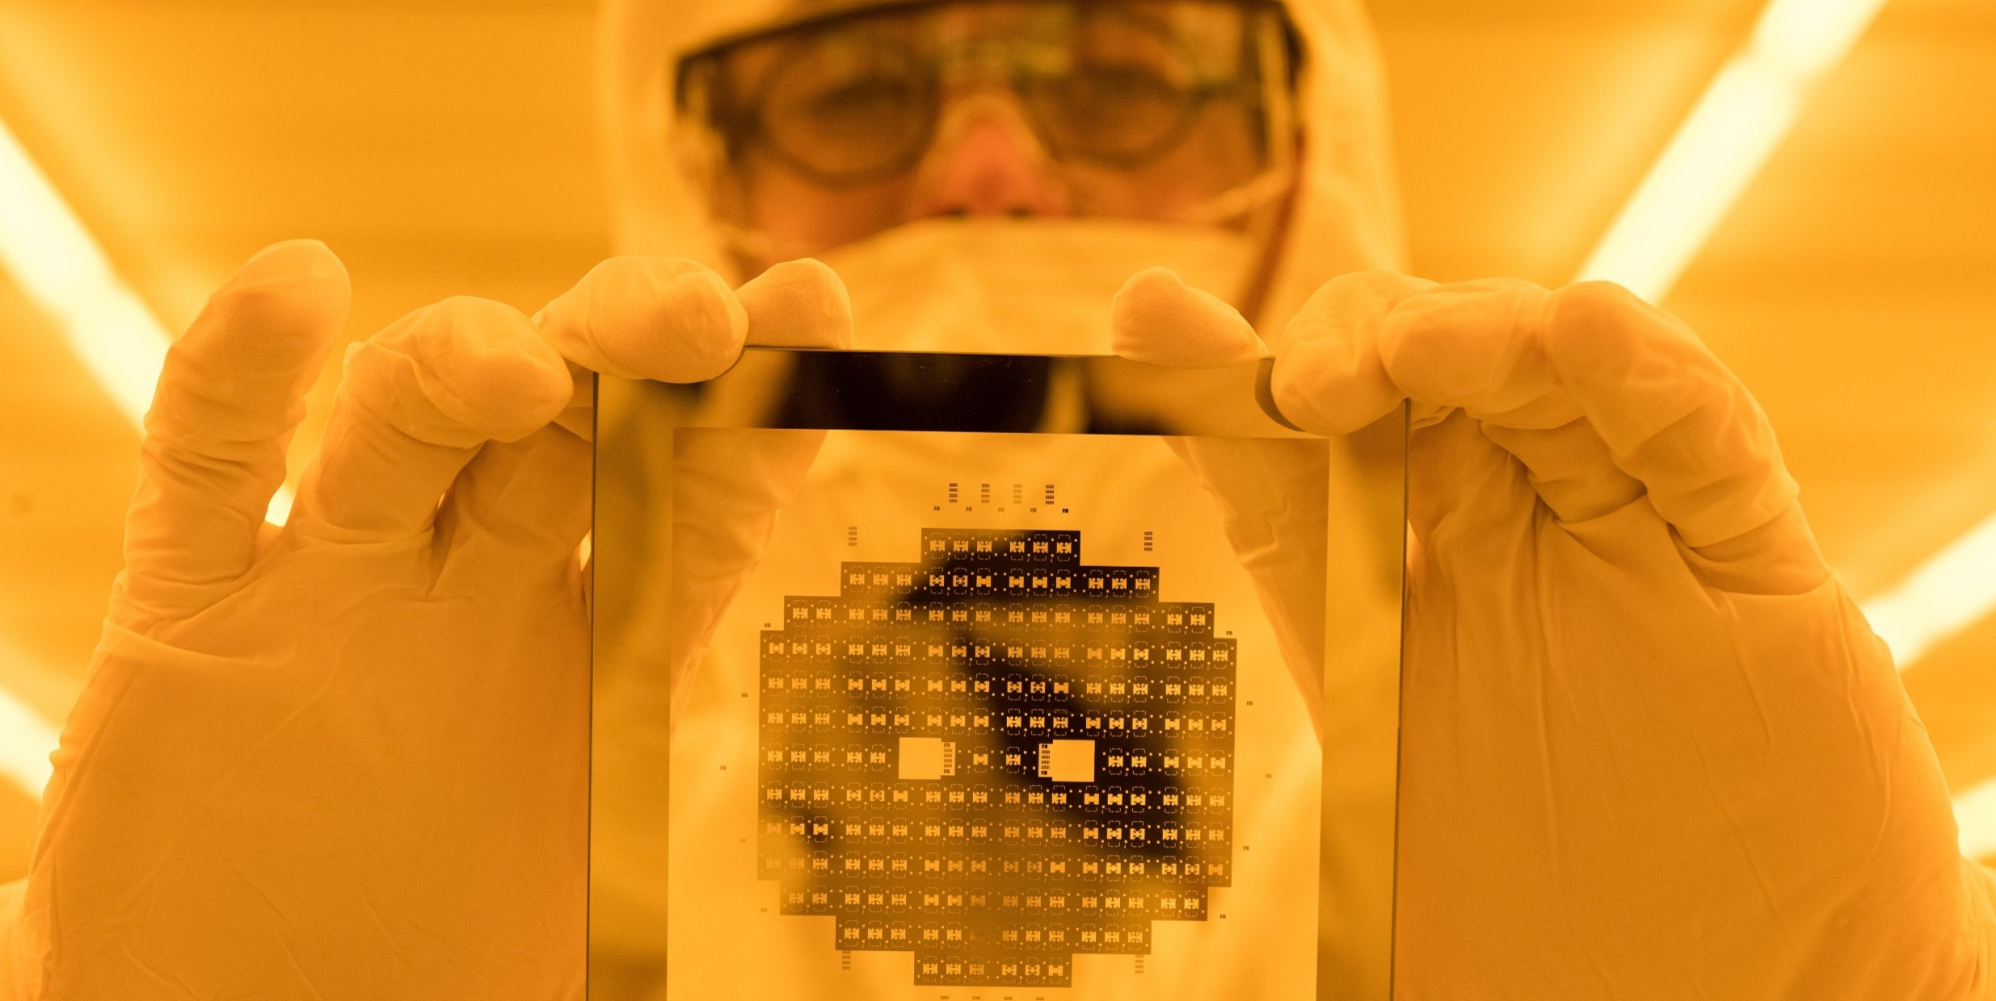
x=991 y=168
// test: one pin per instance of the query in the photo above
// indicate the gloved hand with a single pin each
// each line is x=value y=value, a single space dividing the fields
x=348 y=758
x=1650 y=747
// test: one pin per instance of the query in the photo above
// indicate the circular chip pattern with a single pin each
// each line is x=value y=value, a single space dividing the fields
x=996 y=757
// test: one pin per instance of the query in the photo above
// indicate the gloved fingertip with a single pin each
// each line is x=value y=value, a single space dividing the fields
x=289 y=261
x=1318 y=386
x=1463 y=344
x=1427 y=415
x=1157 y=319
x=669 y=320
x=263 y=335
x=798 y=304
x=662 y=318
x=1328 y=376
x=515 y=391
x=705 y=327
x=481 y=364
x=296 y=287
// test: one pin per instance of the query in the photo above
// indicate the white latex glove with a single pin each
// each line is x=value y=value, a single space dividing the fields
x=1650 y=747
x=348 y=759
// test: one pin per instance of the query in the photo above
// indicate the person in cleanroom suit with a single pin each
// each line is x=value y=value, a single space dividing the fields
x=1650 y=749
x=997 y=226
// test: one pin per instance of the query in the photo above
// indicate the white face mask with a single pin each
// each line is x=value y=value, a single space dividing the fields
x=1019 y=286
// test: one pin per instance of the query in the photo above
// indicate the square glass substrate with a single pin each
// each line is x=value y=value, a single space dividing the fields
x=991 y=716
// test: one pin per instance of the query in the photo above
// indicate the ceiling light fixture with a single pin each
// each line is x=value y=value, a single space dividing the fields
x=1950 y=591
x=63 y=270
x=1742 y=116
x=1975 y=815
x=26 y=741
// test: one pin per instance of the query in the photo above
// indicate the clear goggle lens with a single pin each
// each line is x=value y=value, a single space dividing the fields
x=857 y=98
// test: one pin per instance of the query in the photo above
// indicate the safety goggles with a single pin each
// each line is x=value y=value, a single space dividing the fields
x=860 y=97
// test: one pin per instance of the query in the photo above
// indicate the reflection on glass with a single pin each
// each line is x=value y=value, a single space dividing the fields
x=953 y=715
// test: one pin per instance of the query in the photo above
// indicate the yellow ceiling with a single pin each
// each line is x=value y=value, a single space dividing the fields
x=445 y=147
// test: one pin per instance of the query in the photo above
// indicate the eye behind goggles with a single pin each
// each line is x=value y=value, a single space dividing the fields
x=858 y=97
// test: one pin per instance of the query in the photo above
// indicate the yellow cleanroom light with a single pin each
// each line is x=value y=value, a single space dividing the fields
x=1975 y=815
x=1941 y=597
x=1742 y=116
x=64 y=272
x=26 y=741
